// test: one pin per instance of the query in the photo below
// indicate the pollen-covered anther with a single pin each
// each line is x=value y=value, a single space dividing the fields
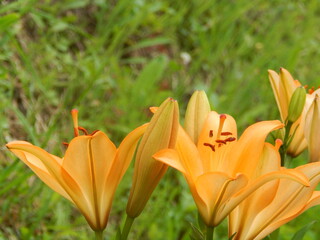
x=210 y=145
x=221 y=141
x=311 y=90
x=230 y=139
x=211 y=133
x=226 y=133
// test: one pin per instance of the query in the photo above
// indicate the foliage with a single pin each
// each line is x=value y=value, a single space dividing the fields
x=114 y=59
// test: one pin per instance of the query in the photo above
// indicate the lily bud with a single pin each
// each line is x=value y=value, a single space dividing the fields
x=197 y=112
x=312 y=131
x=296 y=105
x=161 y=134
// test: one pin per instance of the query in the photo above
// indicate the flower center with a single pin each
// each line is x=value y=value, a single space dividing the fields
x=219 y=141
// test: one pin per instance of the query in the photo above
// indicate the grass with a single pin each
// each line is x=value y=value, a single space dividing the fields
x=114 y=59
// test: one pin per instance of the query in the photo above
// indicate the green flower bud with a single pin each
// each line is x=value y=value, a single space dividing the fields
x=296 y=104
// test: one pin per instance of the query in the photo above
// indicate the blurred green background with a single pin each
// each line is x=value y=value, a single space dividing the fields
x=114 y=59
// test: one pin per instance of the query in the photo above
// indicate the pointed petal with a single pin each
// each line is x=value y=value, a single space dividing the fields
x=312 y=129
x=241 y=218
x=118 y=167
x=250 y=146
x=38 y=167
x=279 y=93
x=215 y=189
x=171 y=158
x=55 y=170
x=291 y=174
x=288 y=82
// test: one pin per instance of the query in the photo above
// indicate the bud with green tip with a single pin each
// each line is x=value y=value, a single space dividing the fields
x=296 y=104
x=197 y=112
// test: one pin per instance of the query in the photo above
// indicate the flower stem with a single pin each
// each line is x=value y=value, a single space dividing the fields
x=209 y=233
x=286 y=143
x=126 y=229
x=99 y=235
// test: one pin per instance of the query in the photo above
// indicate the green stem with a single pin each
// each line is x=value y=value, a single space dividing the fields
x=99 y=235
x=209 y=233
x=126 y=229
x=286 y=143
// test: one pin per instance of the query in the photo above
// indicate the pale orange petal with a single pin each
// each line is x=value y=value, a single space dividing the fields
x=119 y=166
x=250 y=146
x=39 y=169
x=215 y=189
x=279 y=93
x=241 y=218
x=171 y=158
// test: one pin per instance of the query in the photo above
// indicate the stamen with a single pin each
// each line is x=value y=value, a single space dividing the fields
x=83 y=130
x=220 y=141
x=65 y=144
x=305 y=86
x=226 y=133
x=222 y=119
x=278 y=144
x=74 y=114
x=211 y=133
x=230 y=139
x=311 y=90
x=95 y=131
x=210 y=145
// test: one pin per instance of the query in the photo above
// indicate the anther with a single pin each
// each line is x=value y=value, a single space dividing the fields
x=210 y=145
x=65 y=144
x=74 y=114
x=230 y=139
x=226 y=133
x=211 y=133
x=221 y=141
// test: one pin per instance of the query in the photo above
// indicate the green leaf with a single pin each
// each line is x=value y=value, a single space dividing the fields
x=7 y=20
x=196 y=233
x=300 y=234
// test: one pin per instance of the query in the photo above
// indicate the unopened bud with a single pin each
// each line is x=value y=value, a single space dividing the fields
x=197 y=112
x=296 y=104
x=161 y=134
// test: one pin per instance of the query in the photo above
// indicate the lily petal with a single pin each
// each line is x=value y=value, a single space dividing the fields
x=215 y=189
x=38 y=167
x=254 y=135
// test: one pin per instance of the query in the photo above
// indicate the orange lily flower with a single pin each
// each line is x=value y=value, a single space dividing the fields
x=275 y=203
x=312 y=126
x=283 y=86
x=218 y=166
x=161 y=133
x=88 y=174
